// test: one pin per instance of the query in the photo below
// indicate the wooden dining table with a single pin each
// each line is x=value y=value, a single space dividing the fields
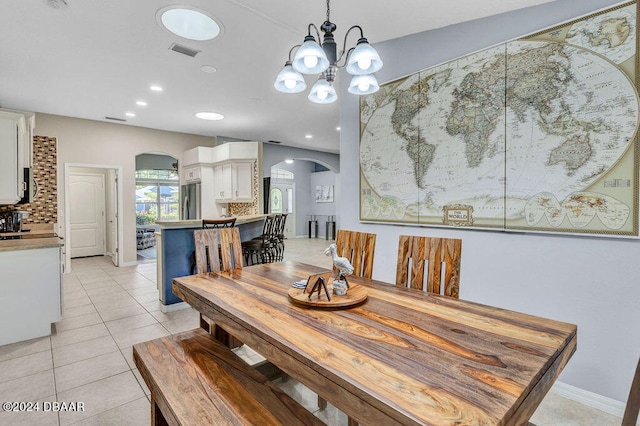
x=401 y=356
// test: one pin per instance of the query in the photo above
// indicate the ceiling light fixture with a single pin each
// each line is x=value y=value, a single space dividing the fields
x=211 y=116
x=360 y=61
x=141 y=103
x=289 y=161
x=58 y=4
x=130 y=114
x=155 y=88
x=188 y=22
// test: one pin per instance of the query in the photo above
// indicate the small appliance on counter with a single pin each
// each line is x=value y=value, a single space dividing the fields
x=12 y=221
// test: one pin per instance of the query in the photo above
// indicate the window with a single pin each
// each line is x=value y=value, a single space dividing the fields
x=276 y=200
x=281 y=174
x=157 y=196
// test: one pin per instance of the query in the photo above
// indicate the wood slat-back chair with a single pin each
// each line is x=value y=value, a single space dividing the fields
x=231 y=248
x=209 y=255
x=440 y=257
x=633 y=403
x=358 y=248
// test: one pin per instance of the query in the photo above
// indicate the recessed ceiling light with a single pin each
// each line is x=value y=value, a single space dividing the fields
x=212 y=116
x=338 y=128
x=288 y=161
x=308 y=136
x=141 y=103
x=209 y=69
x=130 y=114
x=155 y=88
x=188 y=22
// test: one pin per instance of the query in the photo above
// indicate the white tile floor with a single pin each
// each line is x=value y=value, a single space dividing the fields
x=107 y=310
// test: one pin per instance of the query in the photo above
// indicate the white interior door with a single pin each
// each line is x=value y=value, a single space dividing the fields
x=86 y=213
x=112 y=216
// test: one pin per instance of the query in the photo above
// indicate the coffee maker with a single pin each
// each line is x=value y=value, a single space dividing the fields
x=12 y=221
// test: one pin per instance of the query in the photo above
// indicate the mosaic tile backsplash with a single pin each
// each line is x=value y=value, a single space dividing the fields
x=44 y=208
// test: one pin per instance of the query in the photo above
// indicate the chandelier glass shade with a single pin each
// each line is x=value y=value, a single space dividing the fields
x=322 y=92
x=312 y=57
x=289 y=80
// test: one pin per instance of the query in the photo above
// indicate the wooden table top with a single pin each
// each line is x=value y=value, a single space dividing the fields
x=402 y=357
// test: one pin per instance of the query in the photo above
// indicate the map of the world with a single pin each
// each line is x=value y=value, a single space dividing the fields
x=536 y=134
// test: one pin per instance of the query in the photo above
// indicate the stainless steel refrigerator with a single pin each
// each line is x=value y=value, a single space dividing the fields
x=190 y=194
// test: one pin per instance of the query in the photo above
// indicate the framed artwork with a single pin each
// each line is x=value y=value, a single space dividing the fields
x=324 y=194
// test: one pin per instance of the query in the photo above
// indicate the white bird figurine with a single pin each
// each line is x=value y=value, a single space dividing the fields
x=341 y=263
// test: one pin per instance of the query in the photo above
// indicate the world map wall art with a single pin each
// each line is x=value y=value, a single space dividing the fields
x=536 y=134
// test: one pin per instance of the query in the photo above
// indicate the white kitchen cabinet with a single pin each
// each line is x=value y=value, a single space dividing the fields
x=31 y=291
x=234 y=182
x=192 y=174
x=13 y=137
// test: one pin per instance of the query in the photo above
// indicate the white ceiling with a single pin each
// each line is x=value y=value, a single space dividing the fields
x=95 y=58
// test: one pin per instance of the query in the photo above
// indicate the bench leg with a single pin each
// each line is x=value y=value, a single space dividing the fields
x=157 y=419
x=322 y=403
x=204 y=324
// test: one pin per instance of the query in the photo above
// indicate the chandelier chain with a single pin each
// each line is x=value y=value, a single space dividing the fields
x=328 y=20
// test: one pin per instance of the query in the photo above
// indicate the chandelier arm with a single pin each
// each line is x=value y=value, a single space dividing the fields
x=344 y=46
x=291 y=50
x=317 y=32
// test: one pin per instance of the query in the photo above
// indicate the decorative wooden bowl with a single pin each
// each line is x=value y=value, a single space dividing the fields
x=355 y=295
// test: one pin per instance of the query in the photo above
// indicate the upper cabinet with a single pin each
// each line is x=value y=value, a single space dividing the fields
x=15 y=145
x=233 y=170
x=233 y=182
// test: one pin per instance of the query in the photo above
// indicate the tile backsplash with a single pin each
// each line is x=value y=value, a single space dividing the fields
x=44 y=208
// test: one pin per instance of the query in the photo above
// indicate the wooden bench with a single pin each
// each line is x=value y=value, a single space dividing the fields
x=195 y=380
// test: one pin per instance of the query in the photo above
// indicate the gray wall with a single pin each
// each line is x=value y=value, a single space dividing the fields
x=274 y=154
x=154 y=162
x=324 y=209
x=591 y=282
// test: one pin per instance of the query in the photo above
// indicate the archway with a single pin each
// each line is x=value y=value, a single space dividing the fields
x=157 y=198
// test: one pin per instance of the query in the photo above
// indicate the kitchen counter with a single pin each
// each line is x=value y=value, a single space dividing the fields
x=29 y=241
x=175 y=249
x=31 y=286
x=197 y=223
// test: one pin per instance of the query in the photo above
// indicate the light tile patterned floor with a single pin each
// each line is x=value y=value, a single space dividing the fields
x=107 y=310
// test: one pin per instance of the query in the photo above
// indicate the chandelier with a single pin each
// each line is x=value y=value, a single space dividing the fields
x=360 y=61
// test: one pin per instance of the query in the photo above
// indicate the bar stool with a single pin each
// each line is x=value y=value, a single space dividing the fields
x=229 y=222
x=261 y=249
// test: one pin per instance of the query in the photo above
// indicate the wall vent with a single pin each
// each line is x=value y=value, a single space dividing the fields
x=276 y=142
x=184 y=50
x=115 y=119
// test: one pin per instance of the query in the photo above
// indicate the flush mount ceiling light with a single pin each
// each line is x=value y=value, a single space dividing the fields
x=188 y=22
x=211 y=116
x=58 y=4
x=360 y=61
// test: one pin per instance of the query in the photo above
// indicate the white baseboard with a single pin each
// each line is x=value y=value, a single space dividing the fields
x=123 y=264
x=590 y=399
x=174 y=307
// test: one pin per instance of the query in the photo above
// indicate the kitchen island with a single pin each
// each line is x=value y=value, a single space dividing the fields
x=175 y=252
x=30 y=285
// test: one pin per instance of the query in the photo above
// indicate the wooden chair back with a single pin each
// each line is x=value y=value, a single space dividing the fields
x=429 y=264
x=230 y=248
x=358 y=248
x=633 y=403
x=212 y=256
x=207 y=254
